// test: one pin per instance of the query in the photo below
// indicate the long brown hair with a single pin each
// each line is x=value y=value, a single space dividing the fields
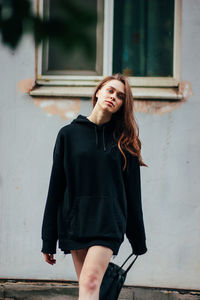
x=126 y=130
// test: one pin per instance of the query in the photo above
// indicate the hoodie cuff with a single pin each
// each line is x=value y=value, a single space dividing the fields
x=138 y=249
x=49 y=247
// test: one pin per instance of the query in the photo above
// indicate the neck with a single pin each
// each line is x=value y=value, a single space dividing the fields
x=99 y=117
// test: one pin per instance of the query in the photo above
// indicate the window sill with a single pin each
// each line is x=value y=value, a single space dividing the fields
x=159 y=93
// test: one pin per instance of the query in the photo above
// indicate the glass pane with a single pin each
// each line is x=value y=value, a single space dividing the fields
x=73 y=60
x=143 y=37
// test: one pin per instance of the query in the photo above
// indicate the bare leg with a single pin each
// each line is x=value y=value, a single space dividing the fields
x=78 y=257
x=93 y=270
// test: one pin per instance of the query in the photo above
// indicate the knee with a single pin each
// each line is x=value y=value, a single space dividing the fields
x=89 y=281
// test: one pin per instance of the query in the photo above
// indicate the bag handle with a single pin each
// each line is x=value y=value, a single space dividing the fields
x=130 y=264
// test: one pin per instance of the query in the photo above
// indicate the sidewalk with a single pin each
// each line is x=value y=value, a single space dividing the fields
x=65 y=290
x=43 y=290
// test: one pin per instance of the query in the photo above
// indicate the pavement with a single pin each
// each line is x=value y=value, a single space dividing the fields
x=42 y=290
x=68 y=290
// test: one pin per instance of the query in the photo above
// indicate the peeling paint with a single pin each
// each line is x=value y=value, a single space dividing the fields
x=65 y=108
x=185 y=89
x=156 y=107
x=163 y=107
x=25 y=85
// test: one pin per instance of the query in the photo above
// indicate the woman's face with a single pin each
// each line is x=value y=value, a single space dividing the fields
x=111 y=96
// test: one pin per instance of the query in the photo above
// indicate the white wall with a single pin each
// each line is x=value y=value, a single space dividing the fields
x=170 y=186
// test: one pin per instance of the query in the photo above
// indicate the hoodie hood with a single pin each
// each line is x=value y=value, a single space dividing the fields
x=99 y=129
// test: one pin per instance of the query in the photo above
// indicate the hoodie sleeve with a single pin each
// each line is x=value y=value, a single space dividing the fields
x=55 y=194
x=135 y=231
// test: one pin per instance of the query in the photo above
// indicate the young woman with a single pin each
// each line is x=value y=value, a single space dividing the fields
x=94 y=195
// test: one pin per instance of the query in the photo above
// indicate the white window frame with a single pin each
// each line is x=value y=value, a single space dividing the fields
x=139 y=83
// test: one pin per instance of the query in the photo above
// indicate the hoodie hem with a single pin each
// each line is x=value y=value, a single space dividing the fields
x=68 y=245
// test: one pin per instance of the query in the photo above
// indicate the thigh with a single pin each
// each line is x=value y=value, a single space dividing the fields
x=78 y=257
x=95 y=263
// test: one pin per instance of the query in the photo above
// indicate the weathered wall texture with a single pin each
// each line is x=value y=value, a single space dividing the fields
x=170 y=186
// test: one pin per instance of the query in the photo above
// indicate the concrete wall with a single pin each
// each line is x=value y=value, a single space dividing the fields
x=170 y=189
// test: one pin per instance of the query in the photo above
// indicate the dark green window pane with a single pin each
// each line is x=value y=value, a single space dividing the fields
x=72 y=60
x=143 y=37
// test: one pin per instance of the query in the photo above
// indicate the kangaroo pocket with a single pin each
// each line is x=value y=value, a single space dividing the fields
x=95 y=217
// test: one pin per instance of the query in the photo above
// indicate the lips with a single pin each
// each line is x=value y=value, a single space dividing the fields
x=110 y=102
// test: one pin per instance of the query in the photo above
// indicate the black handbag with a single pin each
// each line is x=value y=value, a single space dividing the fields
x=113 y=280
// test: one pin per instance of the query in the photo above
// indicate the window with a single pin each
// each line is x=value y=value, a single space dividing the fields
x=139 y=38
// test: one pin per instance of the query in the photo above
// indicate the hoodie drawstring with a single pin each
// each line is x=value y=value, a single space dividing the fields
x=104 y=146
x=96 y=134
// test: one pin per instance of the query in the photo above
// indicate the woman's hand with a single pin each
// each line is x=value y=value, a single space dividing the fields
x=49 y=258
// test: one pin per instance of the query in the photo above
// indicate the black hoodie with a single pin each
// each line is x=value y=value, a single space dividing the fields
x=91 y=200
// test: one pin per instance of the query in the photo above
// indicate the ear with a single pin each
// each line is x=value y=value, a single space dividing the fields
x=97 y=93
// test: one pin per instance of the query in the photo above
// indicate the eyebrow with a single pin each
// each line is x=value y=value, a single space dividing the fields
x=118 y=91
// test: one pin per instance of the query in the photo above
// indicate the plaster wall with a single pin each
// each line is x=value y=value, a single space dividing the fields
x=170 y=185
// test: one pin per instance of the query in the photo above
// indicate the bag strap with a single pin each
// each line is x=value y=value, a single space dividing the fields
x=126 y=271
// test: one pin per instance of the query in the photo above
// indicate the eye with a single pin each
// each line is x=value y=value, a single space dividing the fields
x=122 y=97
x=110 y=90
